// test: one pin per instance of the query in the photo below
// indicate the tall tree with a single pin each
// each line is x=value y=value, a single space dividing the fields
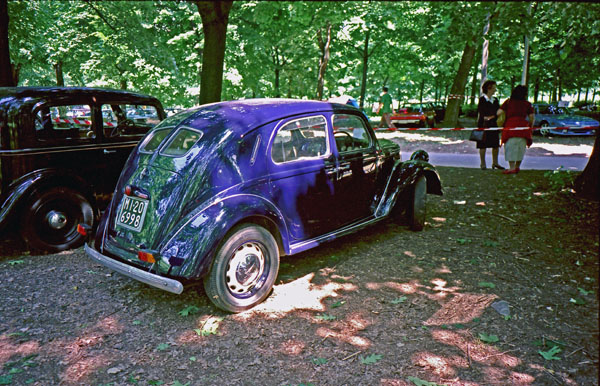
x=215 y=16
x=6 y=73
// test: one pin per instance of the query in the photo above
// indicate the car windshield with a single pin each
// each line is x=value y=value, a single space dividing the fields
x=413 y=108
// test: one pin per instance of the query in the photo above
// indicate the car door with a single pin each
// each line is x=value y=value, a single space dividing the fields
x=355 y=184
x=122 y=126
x=64 y=138
x=302 y=173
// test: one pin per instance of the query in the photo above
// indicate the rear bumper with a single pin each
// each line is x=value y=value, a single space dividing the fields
x=163 y=283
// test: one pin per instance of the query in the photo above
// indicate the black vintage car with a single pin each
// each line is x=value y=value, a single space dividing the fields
x=61 y=153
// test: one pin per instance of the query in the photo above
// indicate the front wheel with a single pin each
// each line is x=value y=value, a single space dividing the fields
x=244 y=270
x=51 y=218
x=417 y=204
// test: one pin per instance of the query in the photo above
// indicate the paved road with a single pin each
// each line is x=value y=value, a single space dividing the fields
x=550 y=162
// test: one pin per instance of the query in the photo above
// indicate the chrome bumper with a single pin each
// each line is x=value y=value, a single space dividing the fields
x=154 y=280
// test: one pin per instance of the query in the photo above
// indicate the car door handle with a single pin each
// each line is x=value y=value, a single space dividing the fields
x=106 y=151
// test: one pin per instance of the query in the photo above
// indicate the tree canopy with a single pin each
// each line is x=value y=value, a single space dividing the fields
x=305 y=49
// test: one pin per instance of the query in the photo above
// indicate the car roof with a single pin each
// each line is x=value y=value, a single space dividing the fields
x=45 y=92
x=245 y=115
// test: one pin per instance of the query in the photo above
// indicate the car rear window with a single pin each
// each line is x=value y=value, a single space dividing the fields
x=181 y=142
x=154 y=140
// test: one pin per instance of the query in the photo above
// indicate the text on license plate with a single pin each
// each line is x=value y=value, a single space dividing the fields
x=132 y=213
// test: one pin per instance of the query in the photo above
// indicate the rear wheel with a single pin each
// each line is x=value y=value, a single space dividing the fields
x=417 y=205
x=244 y=270
x=51 y=218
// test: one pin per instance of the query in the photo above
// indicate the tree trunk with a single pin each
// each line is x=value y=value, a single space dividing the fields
x=6 y=73
x=16 y=70
x=324 y=59
x=215 y=16
x=365 y=57
x=458 y=86
x=586 y=184
x=277 y=92
x=422 y=88
x=536 y=89
x=60 y=80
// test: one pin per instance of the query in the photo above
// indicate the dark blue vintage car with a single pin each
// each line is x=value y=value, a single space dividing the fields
x=220 y=192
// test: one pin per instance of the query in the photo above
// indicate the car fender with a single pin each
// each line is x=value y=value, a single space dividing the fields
x=403 y=176
x=195 y=242
x=26 y=186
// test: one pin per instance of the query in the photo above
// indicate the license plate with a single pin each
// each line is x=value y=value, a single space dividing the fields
x=132 y=213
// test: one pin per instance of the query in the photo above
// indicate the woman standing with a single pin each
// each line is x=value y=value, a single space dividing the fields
x=519 y=113
x=486 y=117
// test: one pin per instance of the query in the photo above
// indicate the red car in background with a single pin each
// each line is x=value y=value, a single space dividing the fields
x=414 y=115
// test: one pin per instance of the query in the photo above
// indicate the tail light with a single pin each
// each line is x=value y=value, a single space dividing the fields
x=147 y=255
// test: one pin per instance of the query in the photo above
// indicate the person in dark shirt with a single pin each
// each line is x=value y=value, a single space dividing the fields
x=486 y=117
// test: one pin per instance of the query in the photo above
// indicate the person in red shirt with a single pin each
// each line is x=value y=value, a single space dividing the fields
x=519 y=113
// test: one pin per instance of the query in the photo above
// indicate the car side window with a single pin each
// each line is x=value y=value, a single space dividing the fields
x=126 y=120
x=350 y=133
x=301 y=138
x=58 y=122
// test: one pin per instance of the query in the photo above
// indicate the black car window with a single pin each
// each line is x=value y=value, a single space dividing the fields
x=127 y=120
x=181 y=142
x=301 y=138
x=154 y=139
x=350 y=133
x=59 y=122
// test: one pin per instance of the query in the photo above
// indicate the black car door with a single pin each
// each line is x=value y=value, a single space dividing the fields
x=357 y=167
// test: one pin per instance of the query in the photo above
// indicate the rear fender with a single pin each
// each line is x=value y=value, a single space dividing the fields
x=25 y=187
x=195 y=242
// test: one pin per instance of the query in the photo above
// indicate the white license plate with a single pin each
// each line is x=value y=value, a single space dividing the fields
x=132 y=213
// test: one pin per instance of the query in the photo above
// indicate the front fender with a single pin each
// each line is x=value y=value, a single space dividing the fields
x=26 y=186
x=402 y=178
x=195 y=242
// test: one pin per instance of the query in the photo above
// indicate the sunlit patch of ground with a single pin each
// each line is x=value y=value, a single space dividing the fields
x=560 y=149
x=411 y=136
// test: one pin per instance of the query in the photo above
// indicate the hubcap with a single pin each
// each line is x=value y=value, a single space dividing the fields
x=56 y=220
x=245 y=268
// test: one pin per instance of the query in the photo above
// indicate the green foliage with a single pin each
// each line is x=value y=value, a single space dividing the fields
x=560 y=178
x=162 y=346
x=420 y=382
x=272 y=48
x=15 y=262
x=488 y=338
x=325 y=317
x=486 y=284
x=371 y=359
x=319 y=361
x=337 y=304
x=189 y=310
x=399 y=300
x=550 y=354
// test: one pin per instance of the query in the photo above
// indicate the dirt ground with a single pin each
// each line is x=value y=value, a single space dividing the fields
x=387 y=306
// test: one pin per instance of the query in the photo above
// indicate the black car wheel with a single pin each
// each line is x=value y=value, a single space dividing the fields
x=51 y=218
x=244 y=269
x=417 y=204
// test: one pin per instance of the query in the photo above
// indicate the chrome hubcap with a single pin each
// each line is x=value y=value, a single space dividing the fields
x=56 y=220
x=245 y=268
